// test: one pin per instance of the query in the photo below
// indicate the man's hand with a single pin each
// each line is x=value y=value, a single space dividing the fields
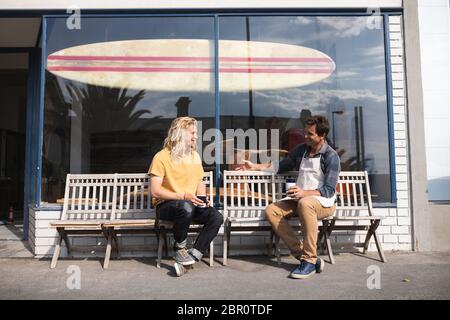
x=247 y=166
x=295 y=192
x=191 y=197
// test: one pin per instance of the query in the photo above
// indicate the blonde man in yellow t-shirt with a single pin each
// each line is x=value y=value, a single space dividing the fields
x=177 y=183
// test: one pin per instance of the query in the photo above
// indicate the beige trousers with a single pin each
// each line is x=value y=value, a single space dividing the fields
x=309 y=210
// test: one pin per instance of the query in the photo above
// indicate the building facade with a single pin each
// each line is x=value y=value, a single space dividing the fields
x=102 y=82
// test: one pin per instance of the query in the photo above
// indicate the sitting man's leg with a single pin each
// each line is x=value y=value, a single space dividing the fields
x=211 y=219
x=276 y=214
x=180 y=213
x=309 y=211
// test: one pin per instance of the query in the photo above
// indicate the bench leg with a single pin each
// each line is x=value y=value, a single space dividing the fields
x=108 y=251
x=57 y=251
x=226 y=240
x=67 y=243
x=229 y=238
x=277 y=249
x=270 y=247
x=160 y=245
x=166 y=244
x=373 y=226
x=115 y=244
x=320 y=242
x=328 y=228
x=211 y=253
x=372 y=231
x=379 y=248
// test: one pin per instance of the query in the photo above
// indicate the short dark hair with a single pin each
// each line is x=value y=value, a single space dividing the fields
x=321 y=123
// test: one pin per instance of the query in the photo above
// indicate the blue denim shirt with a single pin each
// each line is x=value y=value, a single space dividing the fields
x=329 y=163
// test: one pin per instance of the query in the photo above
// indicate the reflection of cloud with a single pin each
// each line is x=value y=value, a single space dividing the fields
x=380 y=66
x=376 y=78
x=346 y=74
x=374 y=51
x=357 y=74
x=345 y=27
x=290 y=99
x=302 y=20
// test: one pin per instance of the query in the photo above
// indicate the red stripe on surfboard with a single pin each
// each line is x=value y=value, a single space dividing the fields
x=227 y=70
x=194 y=59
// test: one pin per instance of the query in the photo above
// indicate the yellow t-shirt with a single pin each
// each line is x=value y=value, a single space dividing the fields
x=177 y=177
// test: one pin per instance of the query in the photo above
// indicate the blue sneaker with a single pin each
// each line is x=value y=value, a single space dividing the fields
x=320 y=265
x=304 y=270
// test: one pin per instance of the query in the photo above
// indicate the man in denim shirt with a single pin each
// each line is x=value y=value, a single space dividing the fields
x=311 y=199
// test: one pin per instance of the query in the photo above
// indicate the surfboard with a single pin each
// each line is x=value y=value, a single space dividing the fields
x=188 y=65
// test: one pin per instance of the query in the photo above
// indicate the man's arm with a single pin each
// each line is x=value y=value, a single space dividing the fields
x=158 y=191
x=332 y=168
x=287 y=164
x=298 y=193
x=201 y=188
x=201 y=191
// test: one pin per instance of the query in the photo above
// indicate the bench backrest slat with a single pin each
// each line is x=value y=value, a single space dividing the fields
x=248 y=193
x=113 y=196
x=209 y=185
x=80 y=196
x=353 y=194
x=133 y=196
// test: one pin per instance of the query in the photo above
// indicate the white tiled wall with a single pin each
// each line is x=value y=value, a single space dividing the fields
x=434 y=25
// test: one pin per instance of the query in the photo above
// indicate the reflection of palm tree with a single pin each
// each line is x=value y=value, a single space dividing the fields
x=107 y=109
x=113 y=133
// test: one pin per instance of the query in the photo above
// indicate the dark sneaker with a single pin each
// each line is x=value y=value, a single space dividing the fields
x=179 y=269
x=195 y=254
x=183 y=257
x=320 y=265
x=304 y=270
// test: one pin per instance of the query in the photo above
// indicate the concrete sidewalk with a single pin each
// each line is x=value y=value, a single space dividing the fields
x=11 y=243
x=404 y=276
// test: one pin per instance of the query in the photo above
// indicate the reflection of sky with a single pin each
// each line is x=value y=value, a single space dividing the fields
x=115 y=29
x=359 y=78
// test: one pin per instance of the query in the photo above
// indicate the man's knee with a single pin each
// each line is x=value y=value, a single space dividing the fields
x=185 y=209
x=216 y=217
x=306 y=203
x=270 y=211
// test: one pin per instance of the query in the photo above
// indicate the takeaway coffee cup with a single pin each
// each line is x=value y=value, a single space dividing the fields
x=290 y=182
x=203 y=198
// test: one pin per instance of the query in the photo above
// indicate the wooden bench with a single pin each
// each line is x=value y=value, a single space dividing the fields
x=133 y=213
x=246 y=194
x=165 y=226
x=111 y=205
x=323 y=239
x=354 y=205
x=354 y=209
x=89 y=201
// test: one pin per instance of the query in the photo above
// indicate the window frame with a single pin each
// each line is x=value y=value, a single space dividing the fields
x=38 y=125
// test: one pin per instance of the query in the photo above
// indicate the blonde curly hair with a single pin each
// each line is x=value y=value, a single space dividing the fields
x=176 y=137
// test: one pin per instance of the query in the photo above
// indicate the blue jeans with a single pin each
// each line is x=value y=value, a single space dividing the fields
x=182 y=213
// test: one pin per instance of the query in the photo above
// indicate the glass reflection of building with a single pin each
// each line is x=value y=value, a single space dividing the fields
x=96 y=129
